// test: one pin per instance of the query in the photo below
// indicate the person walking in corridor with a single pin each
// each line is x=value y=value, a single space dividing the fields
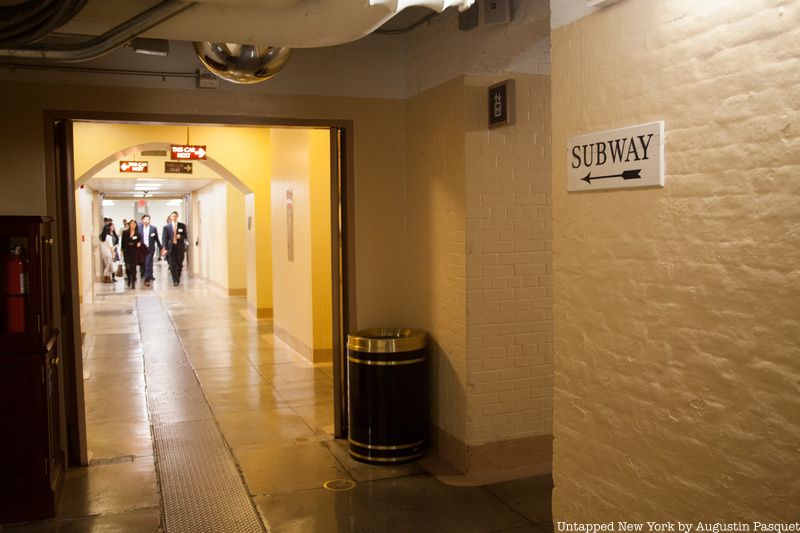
x=107 y=248
x=173 y=239
x=150 y=244
x=131 y=251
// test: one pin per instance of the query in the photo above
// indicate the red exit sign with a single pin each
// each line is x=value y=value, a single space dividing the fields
x=187 y=151
x=133 y=166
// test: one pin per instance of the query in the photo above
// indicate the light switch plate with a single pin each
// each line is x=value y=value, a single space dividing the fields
x=206 y=80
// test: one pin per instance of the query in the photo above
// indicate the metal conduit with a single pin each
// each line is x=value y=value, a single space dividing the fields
x=105 y=43
x=163 y=74
x=30 y=21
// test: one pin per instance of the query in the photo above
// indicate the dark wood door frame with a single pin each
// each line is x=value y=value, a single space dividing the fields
x=59 y=164
x=59 y=173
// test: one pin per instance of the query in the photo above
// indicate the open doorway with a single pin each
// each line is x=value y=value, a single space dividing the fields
x=205 y=211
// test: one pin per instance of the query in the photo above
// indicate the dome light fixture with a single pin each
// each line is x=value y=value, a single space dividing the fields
x=242 y=63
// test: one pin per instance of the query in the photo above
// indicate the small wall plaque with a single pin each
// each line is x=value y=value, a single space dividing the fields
x=502 y=98
x=290 y=224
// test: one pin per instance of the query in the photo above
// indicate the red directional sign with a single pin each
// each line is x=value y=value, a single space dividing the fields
x=187 y=151
x=138 y=167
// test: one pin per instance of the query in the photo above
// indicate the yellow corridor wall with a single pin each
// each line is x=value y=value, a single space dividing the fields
x=322 y=281
x=242 y=151
x=291 y=251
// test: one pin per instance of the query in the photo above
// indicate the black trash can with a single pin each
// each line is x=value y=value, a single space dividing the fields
x=387 y=395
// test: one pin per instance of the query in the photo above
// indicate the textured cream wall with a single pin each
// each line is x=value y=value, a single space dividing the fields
x=479 y=261
x=436 y=268
x=509 y=265
x=379 y=162
x=562 y=12
x=677 y=310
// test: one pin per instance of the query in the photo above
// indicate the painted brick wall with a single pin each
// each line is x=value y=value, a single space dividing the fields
x=677 y=310
x=435 y=267
x=479 y=240
x=509 y=265
x=484 y=291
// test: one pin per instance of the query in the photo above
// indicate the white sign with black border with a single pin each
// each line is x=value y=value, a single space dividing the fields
x=625 y=158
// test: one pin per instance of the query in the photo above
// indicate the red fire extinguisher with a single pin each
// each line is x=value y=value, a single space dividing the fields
x=16 y=285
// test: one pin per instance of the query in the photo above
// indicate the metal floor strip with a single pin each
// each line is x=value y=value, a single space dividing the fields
x=201 y=489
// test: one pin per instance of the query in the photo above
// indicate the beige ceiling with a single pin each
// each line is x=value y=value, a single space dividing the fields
x=127 y=186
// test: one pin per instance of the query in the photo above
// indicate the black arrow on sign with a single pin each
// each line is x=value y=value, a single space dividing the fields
x=626 y=175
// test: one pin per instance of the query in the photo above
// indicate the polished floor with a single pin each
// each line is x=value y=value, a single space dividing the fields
x=199 y=419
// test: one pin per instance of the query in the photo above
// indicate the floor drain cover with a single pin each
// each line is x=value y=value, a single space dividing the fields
x=337 y=485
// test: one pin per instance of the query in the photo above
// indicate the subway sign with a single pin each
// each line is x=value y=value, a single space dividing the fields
x=138 y=167
x=624 y=158
x=187 y=151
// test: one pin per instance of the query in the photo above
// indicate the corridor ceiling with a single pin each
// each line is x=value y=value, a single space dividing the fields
x=166 y=187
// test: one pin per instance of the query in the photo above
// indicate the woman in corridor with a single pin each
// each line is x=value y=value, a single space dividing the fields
x=131 y=246
x=107 y=247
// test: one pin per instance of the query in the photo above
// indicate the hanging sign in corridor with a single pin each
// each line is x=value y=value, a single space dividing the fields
x=187 y=151
x=133 y=166
x=177 y=167
x=625 y=158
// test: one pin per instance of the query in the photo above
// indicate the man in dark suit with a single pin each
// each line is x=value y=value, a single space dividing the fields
x=174 y=239
x=150 y=243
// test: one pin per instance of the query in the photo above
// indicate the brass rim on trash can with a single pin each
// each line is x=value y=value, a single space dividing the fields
x=387 y=340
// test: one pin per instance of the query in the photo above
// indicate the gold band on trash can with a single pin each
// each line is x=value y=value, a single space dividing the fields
x=378 y=447
x=384 y=363
x=386 y=340
x=388 y=459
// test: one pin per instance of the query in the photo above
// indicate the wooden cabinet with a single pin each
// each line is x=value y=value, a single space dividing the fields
x=31 y=456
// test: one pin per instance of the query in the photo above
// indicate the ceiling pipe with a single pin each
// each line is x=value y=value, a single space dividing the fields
x=26 y=23
x=102 y=44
